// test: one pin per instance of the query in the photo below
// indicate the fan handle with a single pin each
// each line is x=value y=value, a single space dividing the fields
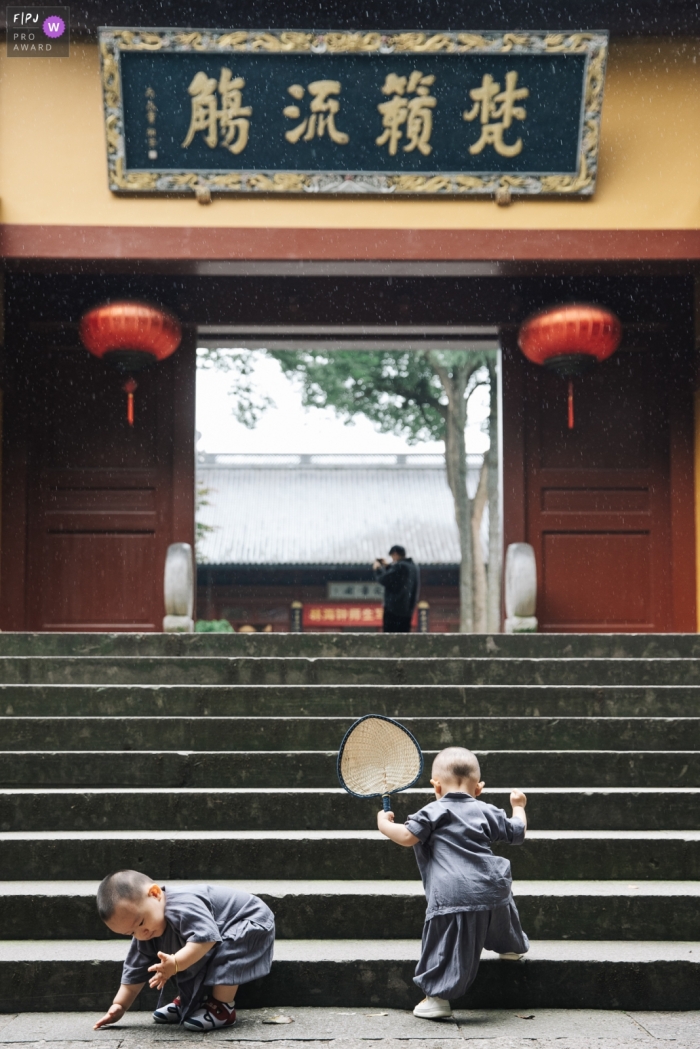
x=386 y=802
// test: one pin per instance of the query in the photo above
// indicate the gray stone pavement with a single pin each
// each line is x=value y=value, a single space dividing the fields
x=353 y=1028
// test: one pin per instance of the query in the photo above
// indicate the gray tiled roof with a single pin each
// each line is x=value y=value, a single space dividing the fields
x=319 y=510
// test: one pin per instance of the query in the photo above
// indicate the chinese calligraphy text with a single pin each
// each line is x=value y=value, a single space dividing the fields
x=405 y=114
x=151 y=133
x=231 y=119
x=497 y=111
x=323 y=109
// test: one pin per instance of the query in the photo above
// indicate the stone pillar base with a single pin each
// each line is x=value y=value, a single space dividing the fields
x=178 y=625
x=521 y=625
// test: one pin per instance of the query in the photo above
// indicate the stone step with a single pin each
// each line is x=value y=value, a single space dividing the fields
x=616 y=646
x=352 y=701
x=536 y=768
x=244 y=670
x=550 y=910
x=325 y=733
x=361 y=855
x=260 y=808
x=43 y=975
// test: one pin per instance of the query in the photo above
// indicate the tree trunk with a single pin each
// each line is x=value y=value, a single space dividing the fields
x=480 y=585
x=493 y=615
x=454 y=384
x=456 y=462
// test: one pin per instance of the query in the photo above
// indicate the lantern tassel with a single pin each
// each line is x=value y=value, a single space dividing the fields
x=129 y=389
x=570 y=401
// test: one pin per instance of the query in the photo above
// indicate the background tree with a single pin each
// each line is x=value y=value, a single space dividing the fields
x=420 y=396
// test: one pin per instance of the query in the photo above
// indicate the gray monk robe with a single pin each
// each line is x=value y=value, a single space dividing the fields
x=241 y=927
x=470 y=902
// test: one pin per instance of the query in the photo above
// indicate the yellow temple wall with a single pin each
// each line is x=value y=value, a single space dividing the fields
x=53 y=160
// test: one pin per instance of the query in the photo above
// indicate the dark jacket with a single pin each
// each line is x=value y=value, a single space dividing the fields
x=401 y=582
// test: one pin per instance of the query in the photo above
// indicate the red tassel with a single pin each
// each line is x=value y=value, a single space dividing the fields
x=571 y=404
x=129 y=388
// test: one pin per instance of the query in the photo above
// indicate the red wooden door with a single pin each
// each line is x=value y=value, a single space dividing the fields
x=608 y=506
x=101 y=501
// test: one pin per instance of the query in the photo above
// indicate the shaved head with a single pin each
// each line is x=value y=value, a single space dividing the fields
x=122 y=885
x=456 y=763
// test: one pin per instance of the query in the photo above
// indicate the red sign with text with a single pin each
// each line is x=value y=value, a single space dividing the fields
x=328 y=617
x=345 y=615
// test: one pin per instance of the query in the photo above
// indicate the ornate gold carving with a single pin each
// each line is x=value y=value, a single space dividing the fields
x=594 y=81
x=112 y=133
x=338 y=42
x=236 y=41
x=421 y=42
x=187 y=180
x=135 y=180
x=567 y=42
x=473 y=42
x=281 y=182
x=229 y=181
x=110 y=77
x=471 y=183
x=420 y=183
x=281 y=41
x=193 y=41
x=511 y=40
x=130 y=40
x=591 y=136
x=514 y=181
x=568 y=183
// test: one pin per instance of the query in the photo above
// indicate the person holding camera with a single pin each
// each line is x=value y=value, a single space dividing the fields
x=401 y=581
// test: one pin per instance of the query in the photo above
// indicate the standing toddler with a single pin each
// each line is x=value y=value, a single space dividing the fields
x=468 y=889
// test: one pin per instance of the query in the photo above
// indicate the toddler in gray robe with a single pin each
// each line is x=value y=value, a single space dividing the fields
x=210 y=938
x=468 y=889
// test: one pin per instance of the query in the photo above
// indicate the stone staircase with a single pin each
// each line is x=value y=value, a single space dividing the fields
x=212 y=757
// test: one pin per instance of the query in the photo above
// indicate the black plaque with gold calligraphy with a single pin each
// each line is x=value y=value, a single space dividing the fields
x=448 y=113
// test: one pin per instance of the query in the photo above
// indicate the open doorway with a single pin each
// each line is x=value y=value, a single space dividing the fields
x=312 y=462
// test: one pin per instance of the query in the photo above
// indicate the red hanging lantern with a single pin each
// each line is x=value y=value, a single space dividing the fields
x=569 y=340
x=130 y=336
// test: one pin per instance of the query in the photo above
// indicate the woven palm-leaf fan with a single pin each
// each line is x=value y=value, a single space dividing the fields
x=378 y=757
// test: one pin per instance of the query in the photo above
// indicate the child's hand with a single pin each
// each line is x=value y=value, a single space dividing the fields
x=163 y=970
x=113 y=1014
x=517 y=799
x=383 y=816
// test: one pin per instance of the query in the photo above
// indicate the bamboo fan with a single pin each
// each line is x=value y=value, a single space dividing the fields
x=377 y=758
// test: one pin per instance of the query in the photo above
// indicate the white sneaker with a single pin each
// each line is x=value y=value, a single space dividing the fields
x=511 y=956
x=433 y=1009
x=211 y=1015
x=168 y=1014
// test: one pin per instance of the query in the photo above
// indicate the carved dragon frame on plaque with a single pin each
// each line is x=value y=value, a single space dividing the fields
x=407 y=113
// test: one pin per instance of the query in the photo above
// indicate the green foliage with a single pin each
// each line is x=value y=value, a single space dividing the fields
x=213 y=626
x=201 y=529
x=400 y=391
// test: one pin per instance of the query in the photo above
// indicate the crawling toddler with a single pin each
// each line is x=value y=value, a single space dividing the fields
x=470 y=903
x=210 y=938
